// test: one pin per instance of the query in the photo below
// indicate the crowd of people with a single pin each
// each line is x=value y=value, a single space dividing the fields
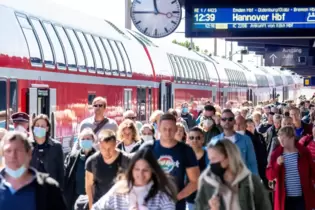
x=236 y=157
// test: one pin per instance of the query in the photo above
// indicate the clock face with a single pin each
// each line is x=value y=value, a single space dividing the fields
x=156 y=18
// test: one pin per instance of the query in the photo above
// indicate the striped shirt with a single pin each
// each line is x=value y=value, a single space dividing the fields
x=118 y=201
x=292 y=176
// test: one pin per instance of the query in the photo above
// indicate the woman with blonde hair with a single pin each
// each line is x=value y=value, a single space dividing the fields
x=154 y=120
x=227 y=184
x=128 y=136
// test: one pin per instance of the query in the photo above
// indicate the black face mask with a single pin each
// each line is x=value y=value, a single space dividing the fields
x=218 y=170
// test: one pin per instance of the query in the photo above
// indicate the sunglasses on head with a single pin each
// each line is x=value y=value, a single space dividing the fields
x=98 y=105
x=194 y=137
x=230 y=119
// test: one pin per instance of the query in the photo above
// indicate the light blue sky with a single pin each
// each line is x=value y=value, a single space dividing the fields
x=114 y=11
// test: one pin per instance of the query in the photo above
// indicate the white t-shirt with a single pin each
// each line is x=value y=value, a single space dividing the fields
x=129 y=147
x=231 y=138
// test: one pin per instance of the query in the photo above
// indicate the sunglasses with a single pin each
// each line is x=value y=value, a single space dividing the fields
x=98 y=105
x=131 y=118
x=194 y=137
x=230 y=119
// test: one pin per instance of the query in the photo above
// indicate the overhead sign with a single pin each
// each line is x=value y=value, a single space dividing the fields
x=246 y=21
x=286 y=56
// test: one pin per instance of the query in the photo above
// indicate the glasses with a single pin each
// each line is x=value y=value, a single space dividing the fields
x=230 y=119
x=98 y=105
x=194 y=138
x=131 y=118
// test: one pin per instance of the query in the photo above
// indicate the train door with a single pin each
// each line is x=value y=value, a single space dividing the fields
x=166 y=95
x=40 y=99
x=141 y=104
x=249 y=95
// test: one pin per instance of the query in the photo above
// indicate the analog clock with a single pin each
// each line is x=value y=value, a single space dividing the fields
x=156 y=18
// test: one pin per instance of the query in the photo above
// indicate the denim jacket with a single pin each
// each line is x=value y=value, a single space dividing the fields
x=246 y=148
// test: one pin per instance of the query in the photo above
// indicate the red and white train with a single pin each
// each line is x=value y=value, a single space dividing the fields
x=55 y=61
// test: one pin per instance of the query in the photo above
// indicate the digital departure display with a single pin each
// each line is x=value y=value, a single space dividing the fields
x=248 y=21
x=253 y=18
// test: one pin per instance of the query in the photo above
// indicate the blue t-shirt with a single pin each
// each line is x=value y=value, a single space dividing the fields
x=175 y=161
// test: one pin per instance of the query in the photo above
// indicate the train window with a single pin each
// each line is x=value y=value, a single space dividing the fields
x=60 y=58
x=47 y=51
x=91 y=97
x=104 y=54
x=96 y=53
x=121 y=66
x=13 y=96
x=3 y=96
x=33 y=45
x=86 y=51
x=128 y=99
x=112 y=57
x=77 y=49
x=126 y=58
x=72 y=64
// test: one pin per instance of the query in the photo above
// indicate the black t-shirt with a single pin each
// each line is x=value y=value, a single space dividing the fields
x=202 y=163
x=104 y=174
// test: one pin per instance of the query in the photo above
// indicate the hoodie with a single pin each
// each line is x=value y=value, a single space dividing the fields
x=245 y=193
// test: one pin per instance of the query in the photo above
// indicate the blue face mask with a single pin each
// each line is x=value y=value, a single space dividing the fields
x=39 y=132
x=86 y=144
x=15 y=173
x=185 y=110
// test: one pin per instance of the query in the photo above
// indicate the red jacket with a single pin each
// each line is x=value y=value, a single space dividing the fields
x=307 y=175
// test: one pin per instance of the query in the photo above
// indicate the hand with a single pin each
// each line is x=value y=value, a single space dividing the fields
x=214 y=203
x=280 y=160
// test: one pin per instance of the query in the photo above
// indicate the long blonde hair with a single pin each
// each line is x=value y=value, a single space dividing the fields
x=130 y=125
x=231 y=152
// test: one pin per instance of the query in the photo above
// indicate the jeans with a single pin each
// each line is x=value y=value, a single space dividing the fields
x=190 y=206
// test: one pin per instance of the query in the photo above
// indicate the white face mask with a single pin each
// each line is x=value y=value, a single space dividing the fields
x=20 y=128
x=207 y=123
x=241 y=132
x=147 y=137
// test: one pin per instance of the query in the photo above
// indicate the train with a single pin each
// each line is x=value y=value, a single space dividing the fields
x=56 y=61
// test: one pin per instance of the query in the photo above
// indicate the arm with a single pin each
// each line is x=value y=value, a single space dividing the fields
x=192 y=174
x=201 y=201
x=251 y=160
x=61 y=172
x=273 y=168
x=89 y=187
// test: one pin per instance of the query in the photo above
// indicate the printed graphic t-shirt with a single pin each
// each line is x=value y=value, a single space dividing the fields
x=175 y=161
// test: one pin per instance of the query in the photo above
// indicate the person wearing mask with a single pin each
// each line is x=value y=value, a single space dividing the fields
x=128 y=137
x=103 y=166
x=243 y=142
x=180 y=134
x=196 y=141
x=147 y=132
x=292 y=167
x=209 y=128
x=259 y=146
x=227 y=184
x=2 y=133
x=187 y=116
x=301 y=128
x=176 y=159
x=47 y=155
x=75 y=167
x=144 y=186
x=23 y=187
x=177 y=114
x=131 y=115
x=98 y=122
x=154 y=120
x=208 y=111
x=21 y=122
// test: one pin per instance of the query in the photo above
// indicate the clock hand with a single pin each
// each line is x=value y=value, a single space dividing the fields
x=143 y=12
x=155 y=7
